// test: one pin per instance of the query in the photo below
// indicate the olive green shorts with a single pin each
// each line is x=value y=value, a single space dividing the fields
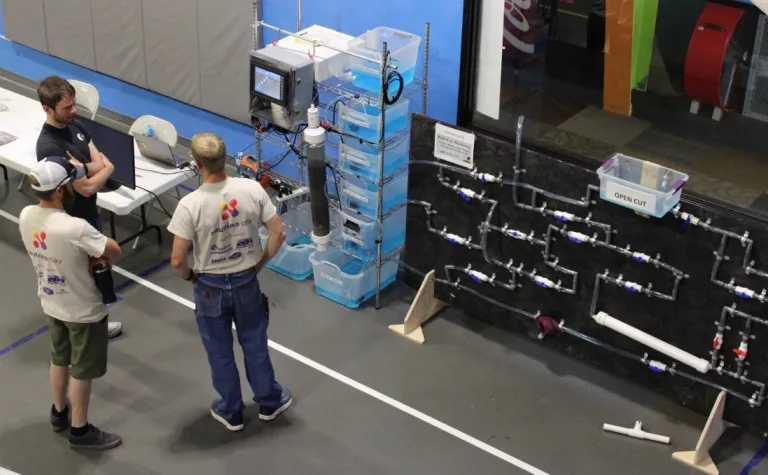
x=83 y=346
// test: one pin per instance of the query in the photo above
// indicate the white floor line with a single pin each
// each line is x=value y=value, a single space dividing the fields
x=339 y=377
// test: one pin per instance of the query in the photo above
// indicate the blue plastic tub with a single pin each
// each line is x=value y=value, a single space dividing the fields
x=362 y=159
x=358 y=233
x=363 y=196
x=361 y=120
x=403 y=52
x=292 y=260
x=347 y=280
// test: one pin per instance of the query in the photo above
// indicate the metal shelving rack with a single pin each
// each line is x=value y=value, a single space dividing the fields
x=342 y=90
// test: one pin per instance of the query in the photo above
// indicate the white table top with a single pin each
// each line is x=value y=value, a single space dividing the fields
x=25 y=117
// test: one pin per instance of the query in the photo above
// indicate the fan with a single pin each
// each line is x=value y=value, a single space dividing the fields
x=714 y=55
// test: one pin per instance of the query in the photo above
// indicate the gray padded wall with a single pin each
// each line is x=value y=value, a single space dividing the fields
x=226 y=39
x=171 y=48
x=194 y=51
x=118 y=32
x=70 y=31
x=24 y=22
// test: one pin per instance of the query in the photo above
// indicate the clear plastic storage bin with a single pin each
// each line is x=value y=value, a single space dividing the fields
x=292 y=260
x=403 y=50
x=363 y=196
x=362 y=120
x=346 y=279
x=358 y=233
x=362 y=159
x=642 y=186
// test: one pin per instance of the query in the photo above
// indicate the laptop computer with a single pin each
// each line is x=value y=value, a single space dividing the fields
x=159 y=151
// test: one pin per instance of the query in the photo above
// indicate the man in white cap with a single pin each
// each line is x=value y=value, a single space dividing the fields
x=61 y=248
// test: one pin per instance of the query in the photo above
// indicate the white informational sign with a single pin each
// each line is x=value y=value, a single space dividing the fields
x=455 y=146
x=630 y=197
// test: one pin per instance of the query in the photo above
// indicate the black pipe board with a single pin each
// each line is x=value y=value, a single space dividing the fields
x=688 y=322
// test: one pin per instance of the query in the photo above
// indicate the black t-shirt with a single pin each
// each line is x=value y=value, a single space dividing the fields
x=73 y=139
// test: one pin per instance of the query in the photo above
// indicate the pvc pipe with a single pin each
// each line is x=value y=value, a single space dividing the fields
x=637 y=432
x=674 y=352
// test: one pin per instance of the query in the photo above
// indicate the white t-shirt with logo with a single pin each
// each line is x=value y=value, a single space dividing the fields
x=222 y=220
x=59 y=246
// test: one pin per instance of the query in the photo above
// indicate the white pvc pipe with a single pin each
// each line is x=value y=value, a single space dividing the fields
x=637 y=432
x=674 y=352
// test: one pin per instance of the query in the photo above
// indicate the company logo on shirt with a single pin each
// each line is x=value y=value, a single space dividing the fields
x=216 y=249
x=47 y=291
x=218 y=260
x=244 y=243
x=56 y=280
x=39 y=240
x=229 y=209
x=234 y=256
x=81 y=136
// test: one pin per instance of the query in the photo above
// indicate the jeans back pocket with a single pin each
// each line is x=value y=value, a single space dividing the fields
x=207 y=301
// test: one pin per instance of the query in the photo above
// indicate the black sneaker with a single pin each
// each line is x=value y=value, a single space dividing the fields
x=233 y=423
x=60 y=421
x=94 y=439
x=269 y=413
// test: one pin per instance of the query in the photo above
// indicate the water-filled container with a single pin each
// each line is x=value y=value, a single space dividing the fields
x=359 y=233
x=346 y=279
x=403 y=51
x=362 y=120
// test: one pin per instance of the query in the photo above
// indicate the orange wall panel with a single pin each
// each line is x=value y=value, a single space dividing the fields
x=617 y=90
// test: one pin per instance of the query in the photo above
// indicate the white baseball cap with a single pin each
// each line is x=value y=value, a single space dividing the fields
x=53 y=172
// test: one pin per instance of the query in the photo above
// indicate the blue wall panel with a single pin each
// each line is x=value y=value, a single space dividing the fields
x=345 y=15
x=354 y=17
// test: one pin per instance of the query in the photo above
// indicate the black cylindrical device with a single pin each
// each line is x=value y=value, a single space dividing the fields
x=102 y=275
x=314 y=136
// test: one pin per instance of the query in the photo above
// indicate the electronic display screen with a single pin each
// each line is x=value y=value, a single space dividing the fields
x=268 y=83
x=118 y=147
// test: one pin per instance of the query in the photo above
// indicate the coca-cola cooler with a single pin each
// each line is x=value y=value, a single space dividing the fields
x=520 y=21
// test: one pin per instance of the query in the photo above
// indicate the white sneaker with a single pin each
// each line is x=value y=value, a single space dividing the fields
x=114 y=329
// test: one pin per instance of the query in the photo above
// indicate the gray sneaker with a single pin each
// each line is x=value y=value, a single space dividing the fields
x=94 y=439
x=269 y=413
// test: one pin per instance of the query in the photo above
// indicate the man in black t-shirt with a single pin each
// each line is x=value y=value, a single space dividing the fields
x=63 y=136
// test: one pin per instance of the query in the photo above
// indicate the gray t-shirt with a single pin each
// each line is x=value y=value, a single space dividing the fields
x=59 y=245
x=222 y=220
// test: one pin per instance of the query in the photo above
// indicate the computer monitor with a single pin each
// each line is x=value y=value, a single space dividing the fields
x=117 y=146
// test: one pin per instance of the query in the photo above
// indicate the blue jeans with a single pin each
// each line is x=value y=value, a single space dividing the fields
x=220 y=300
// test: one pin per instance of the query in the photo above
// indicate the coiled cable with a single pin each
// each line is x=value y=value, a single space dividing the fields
x=393 y=76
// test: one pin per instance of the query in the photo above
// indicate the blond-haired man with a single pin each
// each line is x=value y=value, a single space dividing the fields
x=220 y=221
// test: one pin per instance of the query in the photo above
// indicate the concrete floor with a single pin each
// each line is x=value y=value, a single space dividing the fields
x=527 y=404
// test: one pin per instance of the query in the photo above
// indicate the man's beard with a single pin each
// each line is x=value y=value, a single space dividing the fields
x=68 y=196
x=62 y=119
